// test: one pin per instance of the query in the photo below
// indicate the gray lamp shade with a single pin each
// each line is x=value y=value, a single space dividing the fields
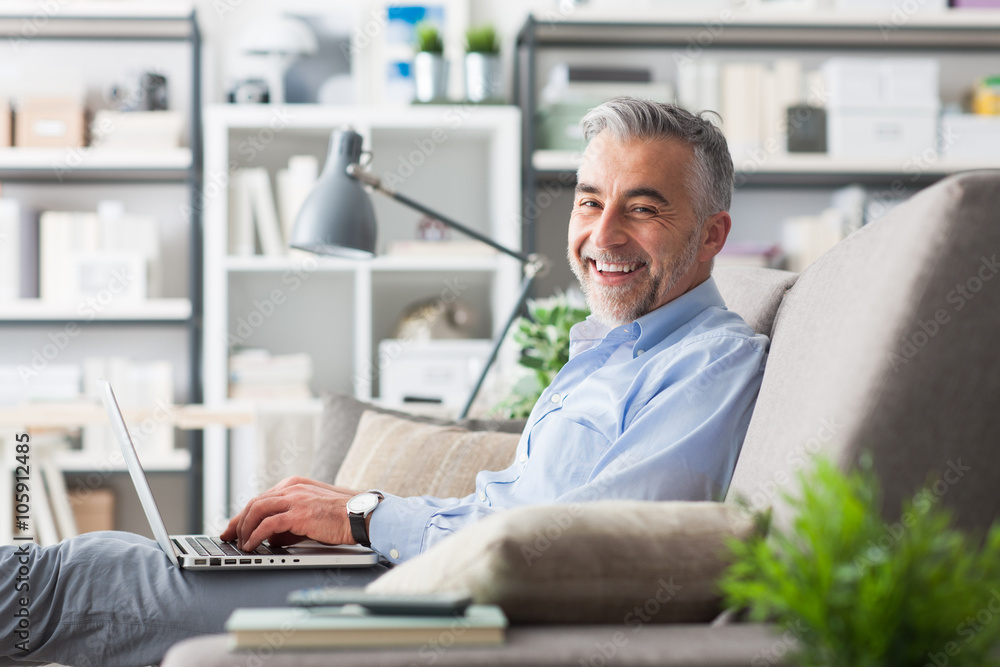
x=337 y=217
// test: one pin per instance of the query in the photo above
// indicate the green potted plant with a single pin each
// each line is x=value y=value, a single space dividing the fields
x=857 y=590
x=544 y=341
x=430 y=69
x=482 y=63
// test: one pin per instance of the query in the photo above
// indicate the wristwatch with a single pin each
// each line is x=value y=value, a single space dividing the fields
x=358 y=509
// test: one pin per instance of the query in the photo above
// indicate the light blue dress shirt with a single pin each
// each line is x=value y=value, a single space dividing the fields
x=654 y=410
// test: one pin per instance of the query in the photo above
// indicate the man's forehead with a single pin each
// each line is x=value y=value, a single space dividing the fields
x=633 y=164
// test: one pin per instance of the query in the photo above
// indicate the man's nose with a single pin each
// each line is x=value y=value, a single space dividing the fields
x=609 y=230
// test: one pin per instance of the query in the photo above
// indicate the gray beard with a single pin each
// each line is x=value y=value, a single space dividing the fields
x=620 y=305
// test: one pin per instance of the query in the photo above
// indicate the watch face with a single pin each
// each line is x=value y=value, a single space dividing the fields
x=362 y=503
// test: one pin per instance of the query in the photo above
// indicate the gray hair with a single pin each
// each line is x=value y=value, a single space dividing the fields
x=629 y=118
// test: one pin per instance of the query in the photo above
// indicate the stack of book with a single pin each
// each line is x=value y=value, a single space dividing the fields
x=258 y=220
x=256 y=374
x=352 y=626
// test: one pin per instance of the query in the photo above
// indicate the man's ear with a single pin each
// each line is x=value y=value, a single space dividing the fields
x=714 y=235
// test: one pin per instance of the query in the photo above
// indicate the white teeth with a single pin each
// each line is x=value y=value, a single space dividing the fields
x=614 y=268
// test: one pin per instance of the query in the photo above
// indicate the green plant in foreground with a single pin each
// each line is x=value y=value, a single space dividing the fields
x=482 y=39
x=428 y=38
x=544 y=341
x=861 y=592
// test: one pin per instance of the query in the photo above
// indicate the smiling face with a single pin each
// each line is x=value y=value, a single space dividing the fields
x=635 y=242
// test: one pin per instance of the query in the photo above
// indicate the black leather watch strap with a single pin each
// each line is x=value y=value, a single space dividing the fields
x=359 y=531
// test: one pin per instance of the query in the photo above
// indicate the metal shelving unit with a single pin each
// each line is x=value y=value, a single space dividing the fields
x=965 y=32
x=121 y=23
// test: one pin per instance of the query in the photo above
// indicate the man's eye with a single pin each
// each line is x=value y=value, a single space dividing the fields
x=587 y=203
x=645 y=210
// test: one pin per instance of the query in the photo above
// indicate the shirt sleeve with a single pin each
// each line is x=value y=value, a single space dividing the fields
x=684 y=431
x=401 y=528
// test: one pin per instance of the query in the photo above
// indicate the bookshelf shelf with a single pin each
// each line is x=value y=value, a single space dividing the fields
x=60 y=164
x=36 y=310
x=431 y=263
x=77 y=461
x=804 y=168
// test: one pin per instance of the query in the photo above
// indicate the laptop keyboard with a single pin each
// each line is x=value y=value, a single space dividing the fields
x=211 y=546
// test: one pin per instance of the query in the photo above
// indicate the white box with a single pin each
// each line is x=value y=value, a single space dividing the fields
x=872 y=82
x=881 y=132
x=894 y=7
x=910 y=81
x=970 y=136
x=435 y=371
x=853 y=81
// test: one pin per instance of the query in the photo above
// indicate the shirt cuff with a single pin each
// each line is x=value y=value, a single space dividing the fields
x=397 y=526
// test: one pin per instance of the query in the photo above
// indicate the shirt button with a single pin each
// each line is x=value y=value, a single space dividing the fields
x=556 y=398
x=393 y=554
x=482 y=496
x=523 y=458
x=641 y=352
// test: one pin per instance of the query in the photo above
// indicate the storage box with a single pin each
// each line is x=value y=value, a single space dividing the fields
x=970 y=136
x=436 y=371
x=49 y=122
x=870 y=82
x=93 y=509
x=881 y=132
x=6 y=124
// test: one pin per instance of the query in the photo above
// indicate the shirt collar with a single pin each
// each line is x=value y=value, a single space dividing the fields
x=655 y=326
x=652 y=327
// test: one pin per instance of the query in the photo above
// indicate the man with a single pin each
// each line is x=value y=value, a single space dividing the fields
x=653 y=404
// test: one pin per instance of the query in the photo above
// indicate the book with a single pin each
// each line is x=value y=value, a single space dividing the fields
x=294 y=184
x=351 y=626
x=265 y=215
x=10 y=250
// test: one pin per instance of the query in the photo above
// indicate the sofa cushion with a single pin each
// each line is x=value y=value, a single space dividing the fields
x=408 y=458
x=623 y=562
x=339 y=423
x=887 y=343
x=754 y=293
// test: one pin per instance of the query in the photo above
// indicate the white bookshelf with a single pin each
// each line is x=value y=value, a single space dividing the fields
x=337 y=309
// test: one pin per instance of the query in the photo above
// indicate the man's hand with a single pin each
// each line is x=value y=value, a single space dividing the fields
x=294 y=510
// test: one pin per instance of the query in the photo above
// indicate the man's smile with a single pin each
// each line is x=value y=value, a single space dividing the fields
x=614 y=273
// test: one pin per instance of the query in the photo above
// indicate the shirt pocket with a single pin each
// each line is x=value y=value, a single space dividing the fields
x=563 y=455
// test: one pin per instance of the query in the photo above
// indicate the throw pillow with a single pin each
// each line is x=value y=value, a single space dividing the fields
x=339 y=425
x=623 y=562
x=409 y=458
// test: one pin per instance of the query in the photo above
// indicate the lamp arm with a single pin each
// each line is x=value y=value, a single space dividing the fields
x=532 y=270
x=356 y=171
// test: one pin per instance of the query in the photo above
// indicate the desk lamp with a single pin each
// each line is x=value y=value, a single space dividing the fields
x=337 y=219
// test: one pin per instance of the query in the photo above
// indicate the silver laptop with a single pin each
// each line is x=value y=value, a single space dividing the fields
x=204 y=552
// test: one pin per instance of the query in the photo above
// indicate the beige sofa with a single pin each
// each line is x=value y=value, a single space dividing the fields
x=888 y=344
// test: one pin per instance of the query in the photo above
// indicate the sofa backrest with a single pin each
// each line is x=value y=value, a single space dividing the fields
x=888 y=344
x=754 y=293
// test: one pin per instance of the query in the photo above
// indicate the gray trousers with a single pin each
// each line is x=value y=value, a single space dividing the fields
x=115 y=599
